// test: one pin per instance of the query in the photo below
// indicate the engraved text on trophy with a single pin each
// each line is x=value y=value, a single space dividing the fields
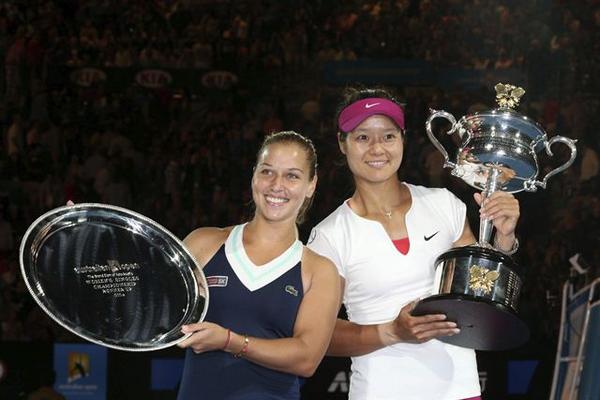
x=113 y=278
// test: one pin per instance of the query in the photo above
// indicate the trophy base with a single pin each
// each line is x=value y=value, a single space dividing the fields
x=484 y=324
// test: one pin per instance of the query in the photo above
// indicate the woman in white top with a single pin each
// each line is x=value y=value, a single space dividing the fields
x=384 y=241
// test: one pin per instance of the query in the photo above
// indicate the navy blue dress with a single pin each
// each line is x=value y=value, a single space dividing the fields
x=267 y=312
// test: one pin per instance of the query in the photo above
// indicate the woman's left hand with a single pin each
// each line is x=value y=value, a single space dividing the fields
x=206 y=336
x=502 y=208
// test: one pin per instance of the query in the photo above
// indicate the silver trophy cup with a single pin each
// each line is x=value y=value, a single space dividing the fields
x=478 y=286
x=112 y=276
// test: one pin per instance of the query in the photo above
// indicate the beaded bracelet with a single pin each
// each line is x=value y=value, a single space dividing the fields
x=244 y=349
x=510 y=252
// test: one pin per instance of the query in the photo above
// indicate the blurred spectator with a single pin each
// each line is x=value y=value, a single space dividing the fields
x=45 y=386
x=7 y=243
x=590 y=163
x=14 y=142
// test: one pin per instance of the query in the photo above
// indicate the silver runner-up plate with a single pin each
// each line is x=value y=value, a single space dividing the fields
x=113 y=276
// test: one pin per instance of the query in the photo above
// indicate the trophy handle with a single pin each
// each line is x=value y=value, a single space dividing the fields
x=449 y=117
x=531 y=185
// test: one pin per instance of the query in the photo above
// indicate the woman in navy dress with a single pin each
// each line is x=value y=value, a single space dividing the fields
x=273 y=302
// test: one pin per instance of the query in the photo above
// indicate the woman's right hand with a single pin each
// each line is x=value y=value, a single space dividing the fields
x=418 y=329
x=206 y=336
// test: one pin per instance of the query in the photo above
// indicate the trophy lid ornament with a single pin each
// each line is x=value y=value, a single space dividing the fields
x=508 y=96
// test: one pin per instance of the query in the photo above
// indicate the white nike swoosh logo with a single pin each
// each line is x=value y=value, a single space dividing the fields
x=371 y=105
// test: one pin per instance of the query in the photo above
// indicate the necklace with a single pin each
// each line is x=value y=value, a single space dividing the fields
x=388 y=214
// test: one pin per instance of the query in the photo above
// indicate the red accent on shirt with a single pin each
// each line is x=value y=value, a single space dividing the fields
x=402 y=245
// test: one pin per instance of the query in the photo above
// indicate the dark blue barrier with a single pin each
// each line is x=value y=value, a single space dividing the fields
x=399 y=72
x=155 y=375
x=416 y=73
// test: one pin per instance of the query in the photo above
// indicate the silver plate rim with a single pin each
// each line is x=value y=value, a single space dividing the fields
x=194 y=274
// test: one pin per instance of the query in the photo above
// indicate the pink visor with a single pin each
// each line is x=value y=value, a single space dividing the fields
x=357 y=112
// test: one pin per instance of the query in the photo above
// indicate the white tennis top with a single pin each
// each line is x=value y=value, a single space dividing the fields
x=380 y=281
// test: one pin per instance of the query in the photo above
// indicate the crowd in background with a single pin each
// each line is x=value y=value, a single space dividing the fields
x=185 y=159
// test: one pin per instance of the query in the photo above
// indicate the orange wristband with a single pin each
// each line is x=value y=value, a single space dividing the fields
x=228 y=340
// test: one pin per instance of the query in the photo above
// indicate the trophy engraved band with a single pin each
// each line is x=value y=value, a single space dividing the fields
x=112 y=276
x=478 y=286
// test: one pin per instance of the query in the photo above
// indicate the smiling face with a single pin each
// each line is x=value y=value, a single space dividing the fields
x=374 y=149
x=282 y=181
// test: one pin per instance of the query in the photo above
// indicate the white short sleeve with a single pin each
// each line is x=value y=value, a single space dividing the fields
x=457 y=214
x=318 y=242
